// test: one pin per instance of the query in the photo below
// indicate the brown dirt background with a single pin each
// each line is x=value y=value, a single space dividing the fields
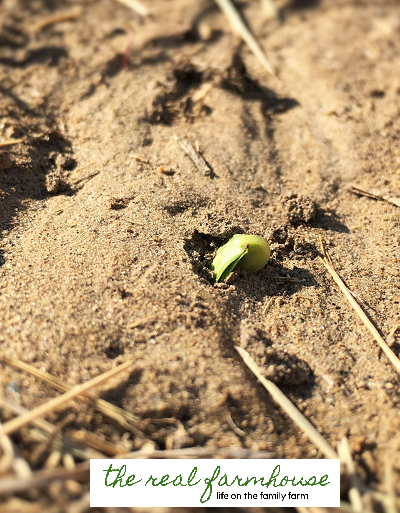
x=81 y=262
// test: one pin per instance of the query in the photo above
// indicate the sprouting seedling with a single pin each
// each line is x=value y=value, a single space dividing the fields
x=249 y=252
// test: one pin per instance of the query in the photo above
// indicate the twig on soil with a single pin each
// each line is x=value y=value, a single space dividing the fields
x=285 y=279
x=233 y=426
x=197 y=159
x=360 y=312
x=97 y=443
x=58 y=17
x=86 y=178
x=124 y=418
x=390 y=502
x=140 y=159
x=46 y=444
x=201 y=93
x=360 y=191
x=200 y=452
x=53 y=460
x=236 y=21
x=84 y=166
x=42 y=479
x=354 y=492
x=390 y=339
x=136 y=6
x=63 y=442
x=6 y=452
x=345 y=507
x=48 y=429
x=141 y=321
x=268 y=305
x=289 y=408
x=13 y=425
x=11 y=142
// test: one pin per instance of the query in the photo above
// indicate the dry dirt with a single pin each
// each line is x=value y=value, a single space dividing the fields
x=84 y=260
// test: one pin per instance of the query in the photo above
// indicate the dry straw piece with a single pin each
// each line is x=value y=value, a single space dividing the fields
x=200 y=452
x=360 y=312
x=194 y=155
x=290 y=409
x=354 y=492
x=236 y=21
x=58 y=17
x=11 y=142
x=42 y=479
x=124 y=418
x=136 y=6
x=13 y=425
x=360 y=191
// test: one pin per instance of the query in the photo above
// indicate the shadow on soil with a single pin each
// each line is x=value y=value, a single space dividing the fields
x=20 y=182
x=238 y=82
x=304 y=4
x=328 y=220
x=50 y=55
x=115 y=395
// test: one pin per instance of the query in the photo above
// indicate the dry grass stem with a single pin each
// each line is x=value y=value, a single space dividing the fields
x=197 y=159
x=269 y=9
x=11 y=142
x=17 y=409
x=345 y=507
x=390 y=503
x=124 y=418
x=97 y=443
x=390 y=338
x=17 y=423
x=136 y=6
x=63 y=442
x=58 y=17
x=48 y=431
x=233 y=426
x=360 y=191
x=200 y=452
x=42 y=479
x=140 y=159
x=141 y=321
x=236 y=21
x=291 y=410
x=285 y=279
x=16 y=505
x=86 y=178
x=360 y=312
x=354 y=492
x=6 y=452
x=81 y=168
x=268 y=306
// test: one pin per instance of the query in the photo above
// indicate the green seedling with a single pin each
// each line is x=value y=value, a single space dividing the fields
x=249 y=252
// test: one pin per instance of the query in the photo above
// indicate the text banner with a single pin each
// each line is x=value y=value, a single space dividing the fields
x=216 y=483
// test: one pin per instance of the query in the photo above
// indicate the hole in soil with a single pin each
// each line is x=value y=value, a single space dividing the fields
x=201 y=248
x=114 y=349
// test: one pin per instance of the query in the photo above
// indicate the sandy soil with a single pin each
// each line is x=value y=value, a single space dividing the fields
x=97 y=271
